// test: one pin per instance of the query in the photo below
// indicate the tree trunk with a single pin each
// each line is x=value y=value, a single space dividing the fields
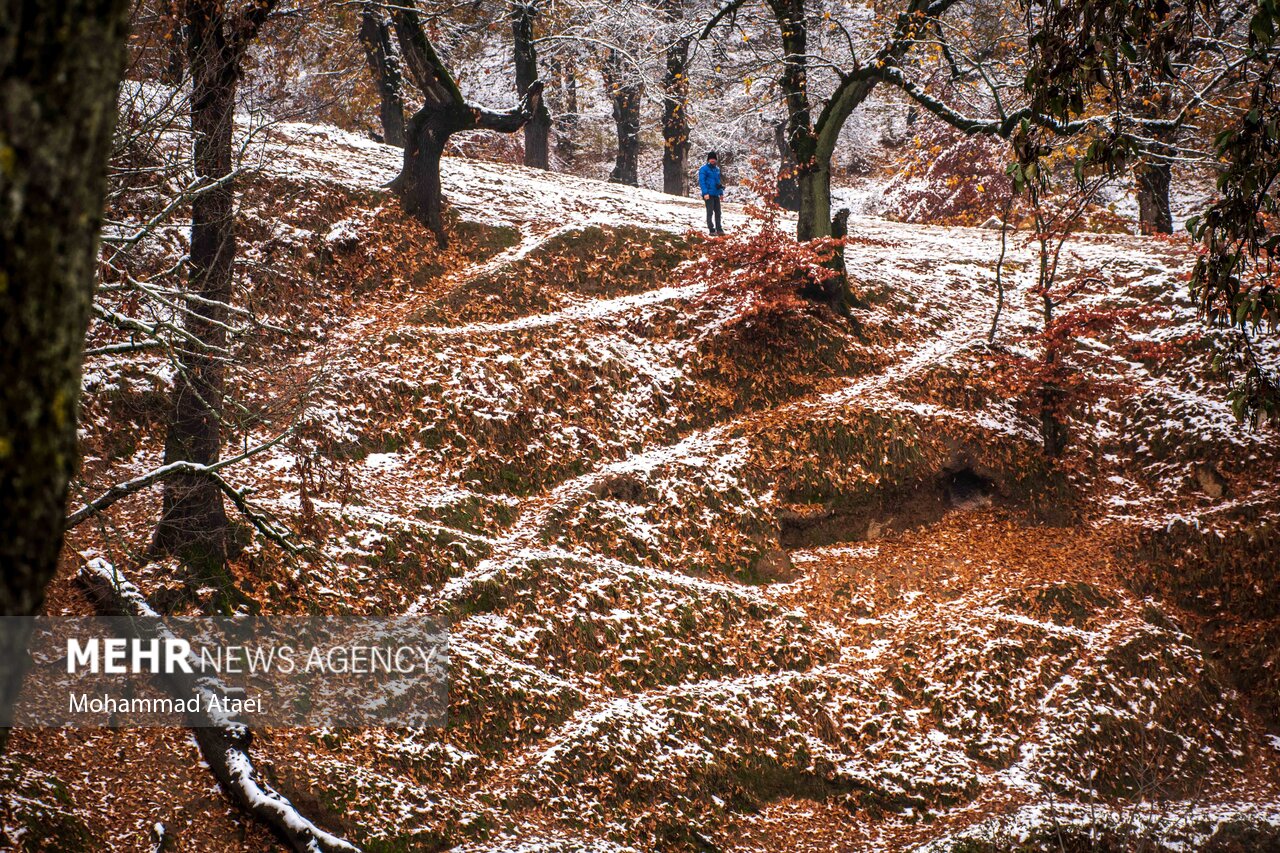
x=60 y=68
x=194 y=523
x=1053 y=430
x=444 y=112
x=1152 y=177
x=814 y=219
x=675 y=119
x=788 y=197
x=419 y=185
x=1154 y=213
x=566 y=117
x=835 y=290
x=375 y=37
x=838 y=293
x=626 y=96
x=813 y=183
x=537 y=132
x=176 y=66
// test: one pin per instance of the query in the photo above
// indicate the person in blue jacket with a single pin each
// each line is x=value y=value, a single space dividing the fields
x=712 y=188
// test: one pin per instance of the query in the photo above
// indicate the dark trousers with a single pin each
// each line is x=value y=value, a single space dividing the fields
x=713 y=214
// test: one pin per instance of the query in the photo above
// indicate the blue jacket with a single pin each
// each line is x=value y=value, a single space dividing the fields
x=709 y=180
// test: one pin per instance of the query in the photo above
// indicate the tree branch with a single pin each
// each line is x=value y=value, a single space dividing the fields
x=223 y=742
x=510 y=120
x=439 y=89
x=728 y=7
x=237 y=496
x=245 y=26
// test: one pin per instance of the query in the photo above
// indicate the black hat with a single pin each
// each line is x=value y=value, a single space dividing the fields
x=711 y=155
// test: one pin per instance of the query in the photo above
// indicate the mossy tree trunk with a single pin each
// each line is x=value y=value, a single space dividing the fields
x=60 y=67
x=815 y=173
x=794 y=82
x=813 y=144
x=838 y=292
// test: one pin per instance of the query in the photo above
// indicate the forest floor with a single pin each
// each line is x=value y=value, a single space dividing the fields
x=716 y=579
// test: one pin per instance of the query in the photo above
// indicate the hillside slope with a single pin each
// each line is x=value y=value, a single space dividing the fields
x=714 y=584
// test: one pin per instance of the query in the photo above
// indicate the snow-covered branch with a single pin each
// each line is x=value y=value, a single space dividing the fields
x=238 y=496
x=223 y=741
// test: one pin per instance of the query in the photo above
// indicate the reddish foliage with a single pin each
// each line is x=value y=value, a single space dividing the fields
x=1066 y=376
x=764 y=268
x=395 y=252
x=947 y=177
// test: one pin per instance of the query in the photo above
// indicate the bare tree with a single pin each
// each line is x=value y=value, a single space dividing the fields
x=141 y=303
x=567 y=119
x=643 y=53
x=626 y=91
x=60 y=67
x=537 y=131
x=813 y=140
x=194 y=523
x=444 y=112
x=384 y=63
x=788 y=187
x=675 y=105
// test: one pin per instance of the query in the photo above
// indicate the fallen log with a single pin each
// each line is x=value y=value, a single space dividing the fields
x=223 y=742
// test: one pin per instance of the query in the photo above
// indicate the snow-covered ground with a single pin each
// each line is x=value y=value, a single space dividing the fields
x=588 y=470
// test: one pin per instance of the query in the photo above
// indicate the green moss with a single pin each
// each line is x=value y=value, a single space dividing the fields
x=416 y=842
x=41 y=809
x=472 y=512
x=1063 y=603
